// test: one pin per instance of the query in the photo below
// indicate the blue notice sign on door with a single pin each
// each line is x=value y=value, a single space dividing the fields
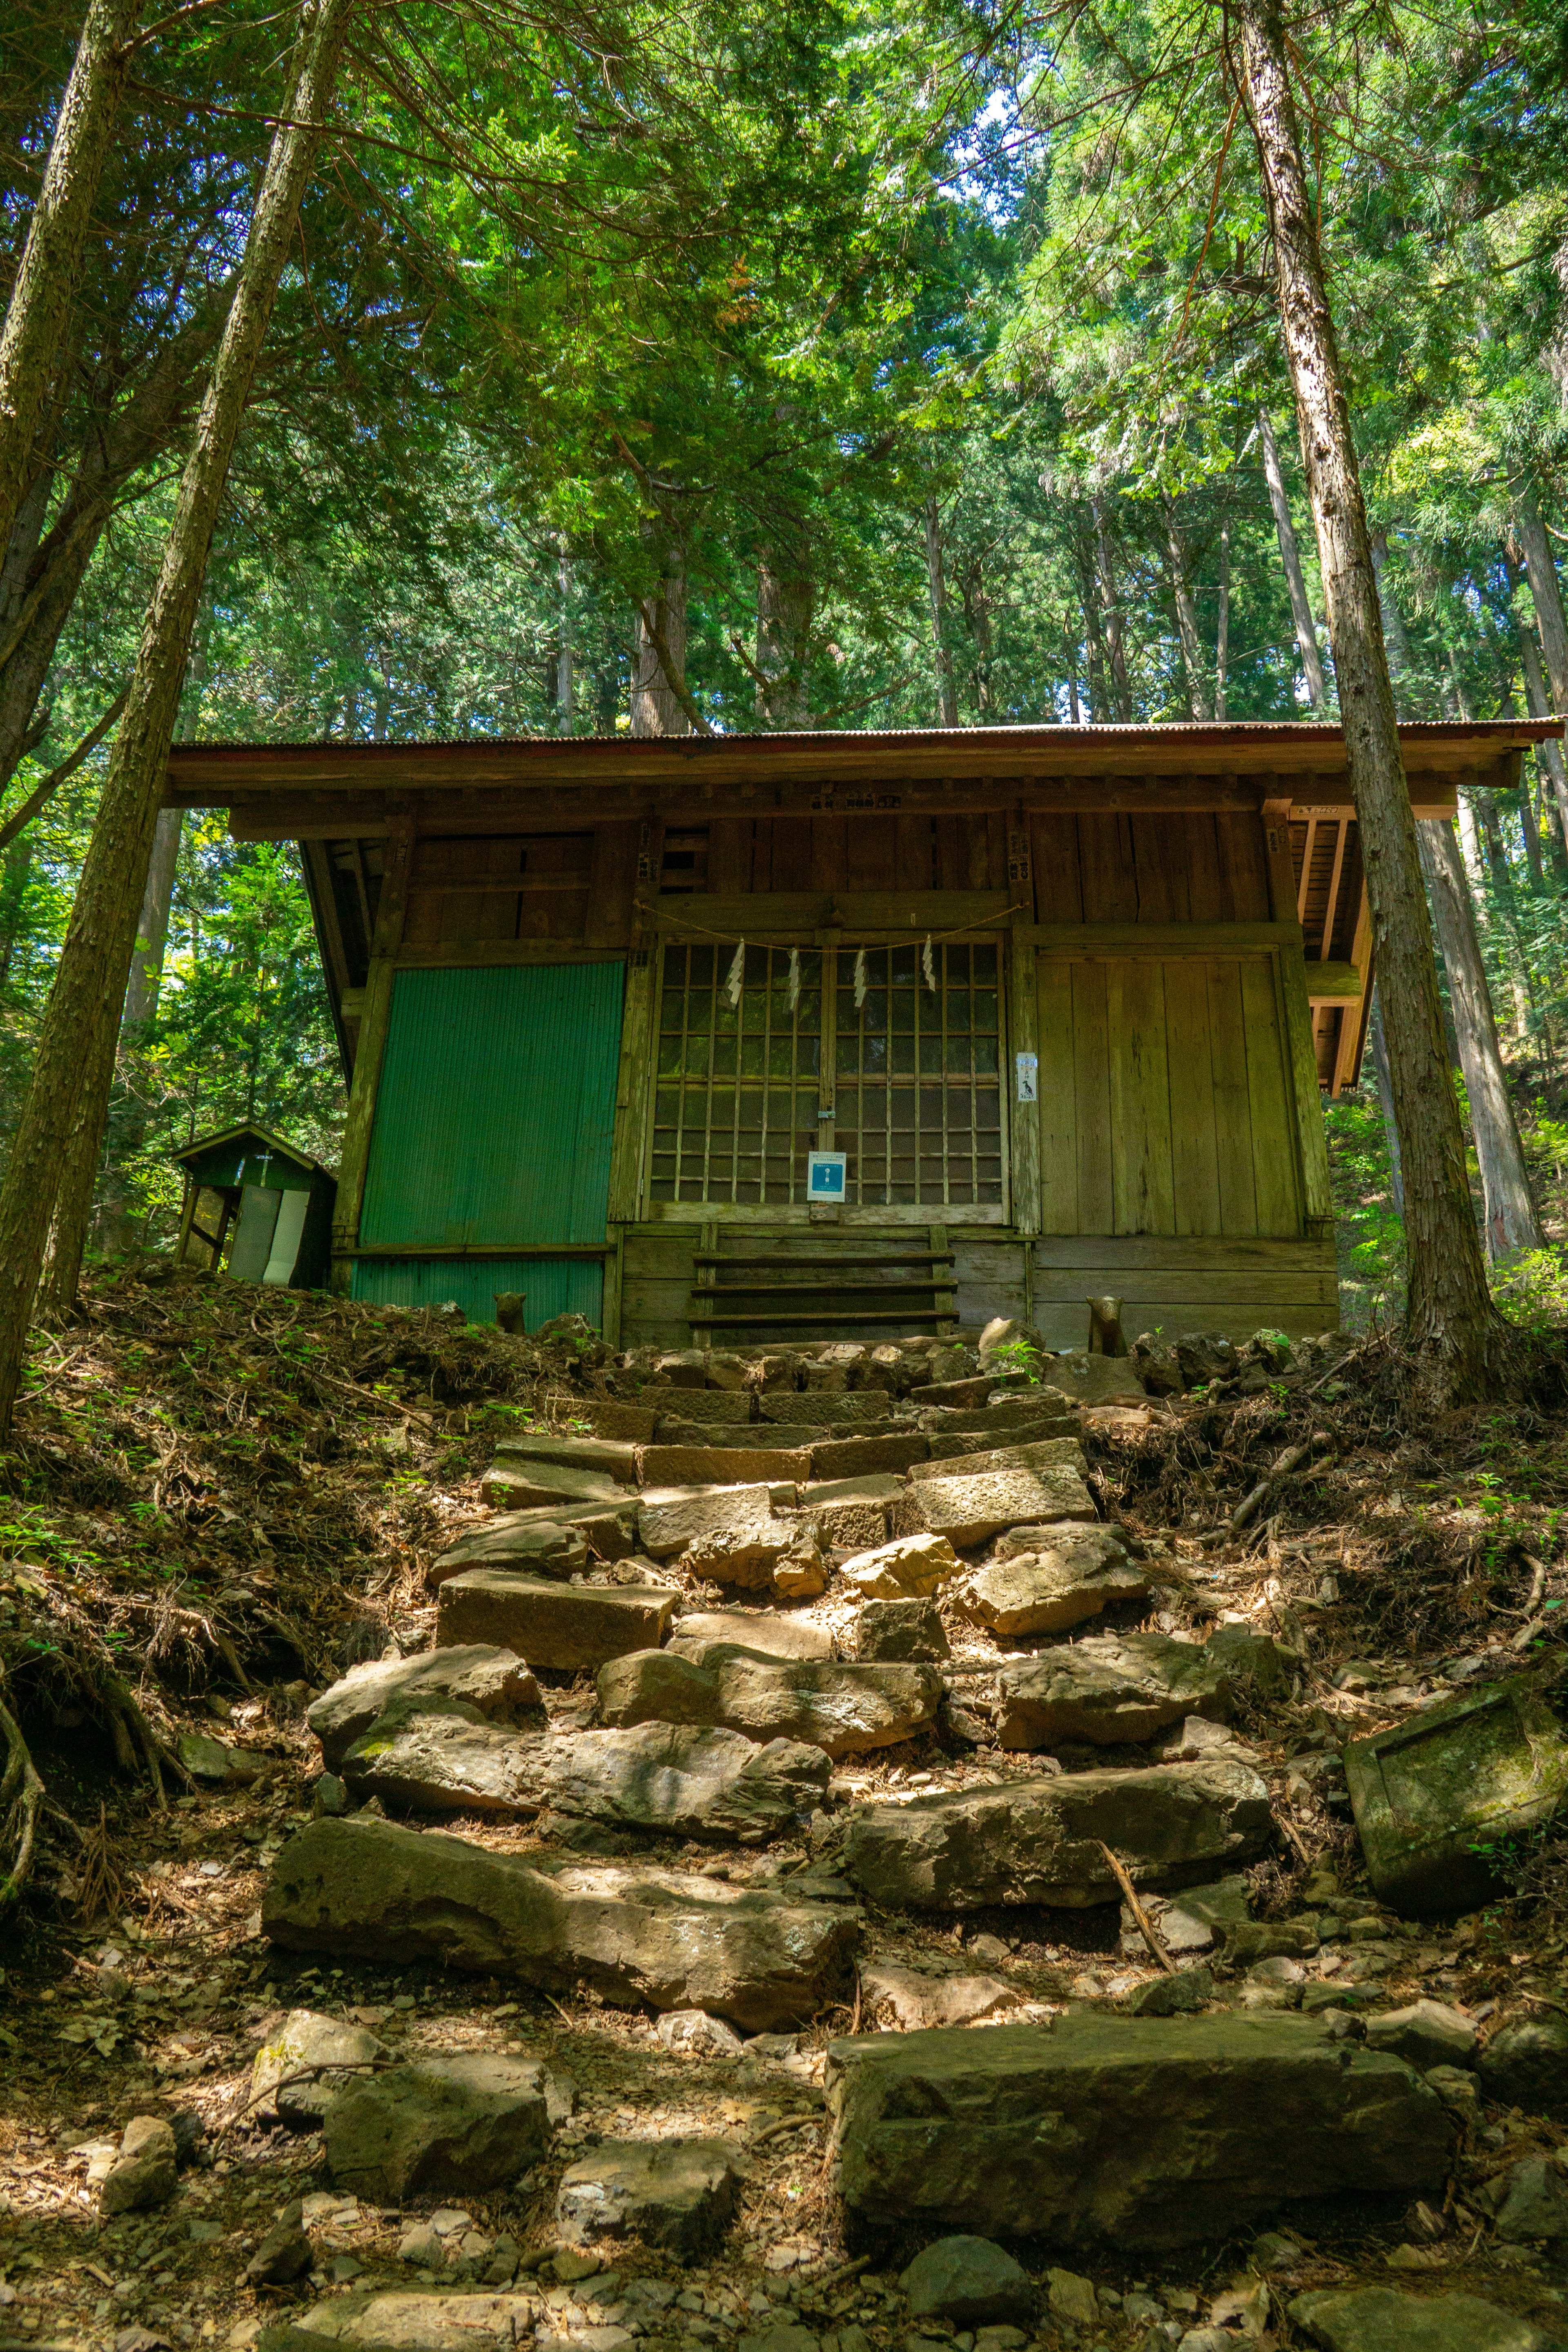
x=825 y=1175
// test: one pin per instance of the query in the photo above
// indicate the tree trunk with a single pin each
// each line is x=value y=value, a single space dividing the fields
x=1511 y=1223
x=657 y=709
x=787 y=604
x=119 y=1229
x=1110 y=605
x=1290 y=558
x=1222 y=629
x=978 y=620
x=39 y=313
x=1094 y=658
x=1547 y=591
x=73 y=1056
x=75 y=1183
x=1395 y=637
x=1186 y=613
x=1450 y=1321
x=564 y=696
x=1550 y=754
x=946 y=692
x=1386 y=1103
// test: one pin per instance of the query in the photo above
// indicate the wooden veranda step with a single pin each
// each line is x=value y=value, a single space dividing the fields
x=763 y=1293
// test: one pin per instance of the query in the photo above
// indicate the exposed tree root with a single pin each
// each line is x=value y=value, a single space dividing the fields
x=21 y=1797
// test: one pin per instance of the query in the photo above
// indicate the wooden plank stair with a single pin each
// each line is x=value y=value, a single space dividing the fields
x=783 y=1292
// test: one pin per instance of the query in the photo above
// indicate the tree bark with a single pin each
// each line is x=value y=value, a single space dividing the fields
x=1110 y=605
x=39 y=313
x=1186 y=613
x=564 y=695
x=1547 y=590
x=1222 y=628
x=1290 y=558
x=936 y=587
x=1510 y=1221
x=786 y=605
x=977 y=621
x=118 y=1228
x=1550 y=754
x=1450 y=1323
x=74 y=1057
x=1385 y=1104
x=657 y=708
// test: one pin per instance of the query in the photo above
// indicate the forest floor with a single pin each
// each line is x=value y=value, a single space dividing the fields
x=220 y=1496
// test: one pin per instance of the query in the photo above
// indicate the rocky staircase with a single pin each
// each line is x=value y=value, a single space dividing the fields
x=777 y=1657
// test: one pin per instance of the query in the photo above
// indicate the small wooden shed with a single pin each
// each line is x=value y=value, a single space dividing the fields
x=740 y=1038
x=268 y=1206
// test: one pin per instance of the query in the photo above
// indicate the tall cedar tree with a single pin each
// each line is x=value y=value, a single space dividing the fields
x=69 y=1084
x=1449 y=1318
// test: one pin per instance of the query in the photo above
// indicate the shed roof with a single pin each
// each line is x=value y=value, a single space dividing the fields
x=268 y=1146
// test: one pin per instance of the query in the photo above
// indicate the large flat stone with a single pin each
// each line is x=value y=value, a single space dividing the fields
x=560 y=1626
x=1093 y=1380
x=688 y=1781
x=674 y=2193
x=735 y=1531
x=723 y=1465
x=672 y=1941
x=1433 y=1795
x=614 y=1458
x=857 y=1457
x=1033 y=1454
x=1039 y=1840
x=1131 y=2132
x=536 y=1543
x=755 y=1629
x=911 y=1567
x=706 y=1405
x=448 y=2126
x=968 y=1508
x=521 y=1486
x=845 y=1710
x=410 y=2320
x=299 y=2069
x=998 y=1424
x=494 y=1683
x=1381 y=2319
x=1109 y=1687
x=862 y=1408
x=608 y=1418
x=1076 y=1572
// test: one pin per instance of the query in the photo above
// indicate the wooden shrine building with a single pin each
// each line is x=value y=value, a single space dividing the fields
x=1038 y=1012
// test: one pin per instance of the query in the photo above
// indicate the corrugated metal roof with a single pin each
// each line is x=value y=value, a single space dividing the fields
x=1199 y=732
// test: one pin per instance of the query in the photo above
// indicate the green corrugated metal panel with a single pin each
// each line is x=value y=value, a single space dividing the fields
x=554 y=1285
x=496 y=1108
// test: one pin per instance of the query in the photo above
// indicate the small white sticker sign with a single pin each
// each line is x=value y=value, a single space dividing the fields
x=1028 y=1068
x=825 y=1175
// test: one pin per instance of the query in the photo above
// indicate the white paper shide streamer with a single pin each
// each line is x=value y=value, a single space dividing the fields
x=928 y=965
x=859 y=978
x=794 y=980
x=737 y=973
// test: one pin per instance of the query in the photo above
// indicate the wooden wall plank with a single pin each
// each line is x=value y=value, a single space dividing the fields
x=1023 y=1118
x=872 y=852
x=1275 y=1170
x=1109 y=876
x=1140 y=1098
x=829 y=853
x=1231 y=1099
x=1058 y=882
x=1244 y=864
x=1091 y=1091
x=792 y=858
x=915 y=868
x=634 y=1080
x=952 y=834
x=613 y=882
x=1131 y=1251
x=730 y=854
x=1208 y=885
x=1301 y=1079
x=1194 y=1148
x=1161 y=846
x=1058 y=1174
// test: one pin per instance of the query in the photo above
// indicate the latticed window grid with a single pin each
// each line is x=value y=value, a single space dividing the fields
x=917 y=1072
x=736 y=1091
x=740 y=1098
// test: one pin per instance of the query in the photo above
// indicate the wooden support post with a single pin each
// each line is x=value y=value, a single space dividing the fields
x=632 y=1081
x=610 y=1311
x=1024 y=1033
x=1277 y=857
x=944 y=1284
x=1313 y=1140
x=187 y=1212
x=375 y=1021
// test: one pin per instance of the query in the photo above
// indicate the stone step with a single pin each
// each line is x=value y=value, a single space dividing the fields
x=707 y=1405
x=967 y=1508
x=860 y=1457
x=1071 y=1573
x=843 y=1710
x=734 y=1534
x=1041 y=1840
x=1035 y=1454
x=558 y=1626
x=723 y=1465
x=538 y=1486
x=540 y=1542
x=1144 y=2133
x=1108 y=1688
x=494 y=1683
x=679 y=1779
x=613 y=1457
x=830 y=1408
x=755 y=1629
x=377 y=1891
x=787 y=1436
x=1000 y=1424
